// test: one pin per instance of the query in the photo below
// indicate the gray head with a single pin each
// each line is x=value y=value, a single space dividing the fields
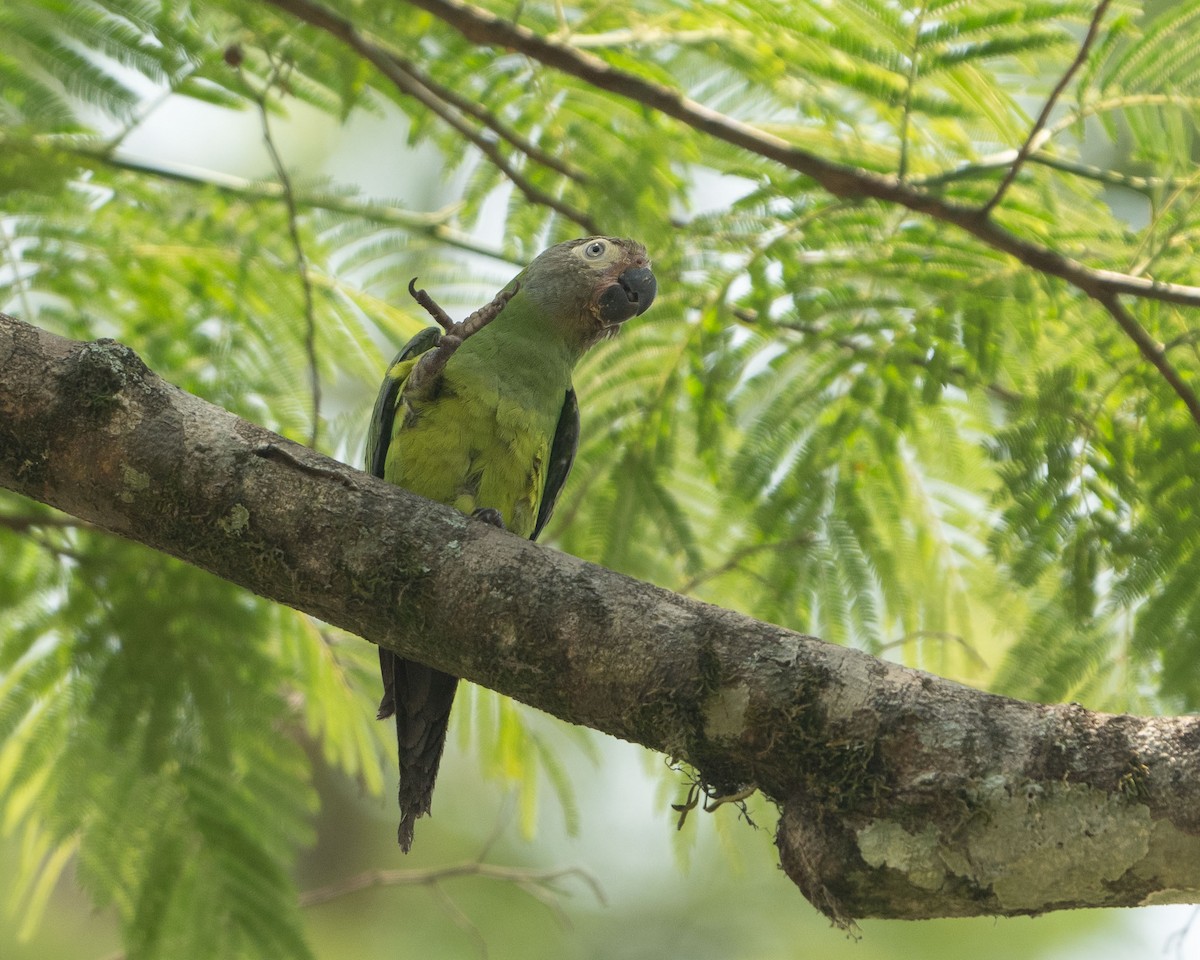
x=594 y=283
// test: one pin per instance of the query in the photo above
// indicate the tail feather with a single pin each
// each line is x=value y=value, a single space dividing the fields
x=420 y=698
x=387 y=670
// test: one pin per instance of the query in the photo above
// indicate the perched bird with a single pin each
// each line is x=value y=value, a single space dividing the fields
x=483 y=417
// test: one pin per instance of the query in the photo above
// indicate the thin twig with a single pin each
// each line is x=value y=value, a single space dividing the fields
x=1031 y=142
x=1087 y=171
x=430 y=225
x=735 y=559
x=1179 y=937
x=644 y=36
x=1091 y=108
x=148 y=107
x=391 y=68
x=944 y=635
x=1152 y=351
x=1144 y=256
x=293 y=218
x=459 y=918
x=489 y=120
x=914 y=61
x=487 y=871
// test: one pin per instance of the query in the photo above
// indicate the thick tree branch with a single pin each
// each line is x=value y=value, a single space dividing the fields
x=901 y=794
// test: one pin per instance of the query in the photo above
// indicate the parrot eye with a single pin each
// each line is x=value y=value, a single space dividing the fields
x=595 y=249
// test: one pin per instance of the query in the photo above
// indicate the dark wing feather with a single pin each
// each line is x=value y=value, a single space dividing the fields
x=562 y=456
x=384 y=415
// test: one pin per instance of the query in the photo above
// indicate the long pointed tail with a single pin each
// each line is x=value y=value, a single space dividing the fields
x=420 y=698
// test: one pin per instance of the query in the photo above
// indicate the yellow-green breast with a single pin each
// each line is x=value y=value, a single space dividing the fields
x=483 y=440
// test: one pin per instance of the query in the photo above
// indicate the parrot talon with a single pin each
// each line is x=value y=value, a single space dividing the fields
x=431 y=306
x=489 y=515
x=486 y=314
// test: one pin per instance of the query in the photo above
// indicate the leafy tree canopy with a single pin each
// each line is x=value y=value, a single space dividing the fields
x=847 y=415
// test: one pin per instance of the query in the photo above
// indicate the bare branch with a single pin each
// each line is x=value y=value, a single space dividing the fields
x=483 y=27
x=522 y=876
x=1153 y=352
x=1032 y=142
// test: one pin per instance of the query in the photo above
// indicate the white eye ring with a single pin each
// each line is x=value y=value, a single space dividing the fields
x=595 y=249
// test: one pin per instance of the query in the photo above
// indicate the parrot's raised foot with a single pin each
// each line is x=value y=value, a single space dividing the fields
x=489 y=515
x=429 y=368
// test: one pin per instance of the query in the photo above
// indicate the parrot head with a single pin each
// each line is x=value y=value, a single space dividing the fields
x=594 y=284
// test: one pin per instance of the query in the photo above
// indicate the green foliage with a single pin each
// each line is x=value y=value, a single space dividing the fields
x=841 y=417
x=157 y=751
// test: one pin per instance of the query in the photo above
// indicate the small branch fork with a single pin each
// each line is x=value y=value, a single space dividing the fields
x=1032 y=141
x=429 y=368
x=542 y=885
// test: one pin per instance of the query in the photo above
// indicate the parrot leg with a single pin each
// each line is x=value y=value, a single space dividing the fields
x=428 y=370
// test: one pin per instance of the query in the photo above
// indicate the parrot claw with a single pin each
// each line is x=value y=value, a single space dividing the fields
x=489 y=515
x=431 y=306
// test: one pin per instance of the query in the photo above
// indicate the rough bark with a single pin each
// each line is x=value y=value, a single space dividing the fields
x=902 y=794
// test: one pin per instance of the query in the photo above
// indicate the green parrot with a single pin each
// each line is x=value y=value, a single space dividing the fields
x=484 y=418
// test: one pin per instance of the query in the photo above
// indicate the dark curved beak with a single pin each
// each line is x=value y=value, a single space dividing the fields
x=630 y=296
